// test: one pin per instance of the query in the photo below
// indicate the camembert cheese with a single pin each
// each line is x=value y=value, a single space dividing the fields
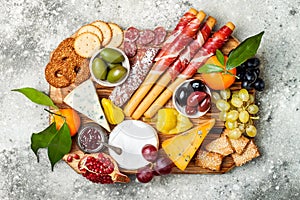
x=84 y=99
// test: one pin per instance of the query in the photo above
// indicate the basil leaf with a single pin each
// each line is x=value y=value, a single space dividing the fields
x=36 y=96
x=210 y=68
x=42 y=139
x=220 y=57
x=244 y=51
x=60 y=145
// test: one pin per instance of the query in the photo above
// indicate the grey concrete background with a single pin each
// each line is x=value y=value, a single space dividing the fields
x=30 y=30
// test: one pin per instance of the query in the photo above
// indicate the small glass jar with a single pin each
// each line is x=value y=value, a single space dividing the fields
x=89 y=137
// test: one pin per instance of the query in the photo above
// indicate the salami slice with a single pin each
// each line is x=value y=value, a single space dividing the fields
x=130 y=48
x=122 y=93
x=132 y=34
x=146 y=37
x=160 y=35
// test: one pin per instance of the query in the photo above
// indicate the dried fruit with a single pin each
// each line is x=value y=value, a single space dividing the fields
x=101 y=168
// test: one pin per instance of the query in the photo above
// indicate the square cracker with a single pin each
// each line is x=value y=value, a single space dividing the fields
x=209 y=160
x=238 y=145
x=250 y=152
x=220 y=145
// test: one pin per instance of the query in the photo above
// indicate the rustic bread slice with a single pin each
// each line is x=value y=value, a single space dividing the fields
x=91 y=29
x=105 y=29
x=250 y=152
x=209 y=160
x=238 y=145
x=86 y=44
x=220 y=145
x=117 y=36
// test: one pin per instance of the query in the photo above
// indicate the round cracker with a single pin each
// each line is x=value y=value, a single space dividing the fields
x=86 y=44
x=105 y=29
x=118 y=36
x=91 y=29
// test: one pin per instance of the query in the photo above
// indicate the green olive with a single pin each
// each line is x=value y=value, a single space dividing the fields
x=116 y=74
x=111 y=55
x=99 y=68
x=113 y=65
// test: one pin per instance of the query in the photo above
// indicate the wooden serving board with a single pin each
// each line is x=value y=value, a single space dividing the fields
x=58 y=94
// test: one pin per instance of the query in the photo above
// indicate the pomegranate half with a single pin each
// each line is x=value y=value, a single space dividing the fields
x=101 y=168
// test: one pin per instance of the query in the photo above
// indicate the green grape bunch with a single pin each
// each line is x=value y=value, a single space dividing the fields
x=238 y=111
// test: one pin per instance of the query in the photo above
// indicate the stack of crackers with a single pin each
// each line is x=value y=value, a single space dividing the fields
x=241 y=150
x=69 y=62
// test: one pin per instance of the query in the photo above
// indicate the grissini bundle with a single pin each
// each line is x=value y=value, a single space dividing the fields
x=179 y=43
x=207 y=50
x=184 y=20
x=176 y=68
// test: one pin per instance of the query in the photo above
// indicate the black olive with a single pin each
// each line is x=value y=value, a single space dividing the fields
x=253 y=62
x=257 y=71
x=250 y=76
x=247 y=85
x=240 y=72
x=181 y=96
x=243 y=65
x=197 y=85
x=259 y=84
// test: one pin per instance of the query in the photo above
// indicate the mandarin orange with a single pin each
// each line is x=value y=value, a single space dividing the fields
x=219 y=80
x=71 y=117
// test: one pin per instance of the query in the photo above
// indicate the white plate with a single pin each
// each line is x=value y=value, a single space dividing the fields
x=132 y=136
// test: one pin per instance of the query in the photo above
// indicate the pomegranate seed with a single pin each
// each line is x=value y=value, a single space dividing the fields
x=112 y=165
x=69 y=158
x=100 y=155
x=76 y=156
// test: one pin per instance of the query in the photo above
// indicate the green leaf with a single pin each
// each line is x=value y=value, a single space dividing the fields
x=220 y=57
x=42 y=139
x=210 y=68
x=60 y=145
x=36 y=96
x=244 y=51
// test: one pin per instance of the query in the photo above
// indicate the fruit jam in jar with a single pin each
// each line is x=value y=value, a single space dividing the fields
x=90 y=137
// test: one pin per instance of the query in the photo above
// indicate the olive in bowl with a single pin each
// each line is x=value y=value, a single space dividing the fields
x=109 y=67
x=192 y=98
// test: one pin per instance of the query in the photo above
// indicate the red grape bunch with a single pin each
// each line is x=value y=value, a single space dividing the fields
x=160 y=165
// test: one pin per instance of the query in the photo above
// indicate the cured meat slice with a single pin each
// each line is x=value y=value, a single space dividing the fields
x=122 y=93
x=132 y=34
x=207 y=50
x=164 y=62
x=137 y=58
x=176 y=67
x=130 y=48
x=160 y=35
x=146 y=37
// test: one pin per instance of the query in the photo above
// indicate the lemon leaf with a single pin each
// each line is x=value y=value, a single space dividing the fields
x=244 y=51
x=220 y=57
x=42 y=139
x=36 y=96
x=210 y=68
x=60 y=145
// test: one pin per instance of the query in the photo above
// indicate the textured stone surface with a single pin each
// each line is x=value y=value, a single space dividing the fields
x=30 y=30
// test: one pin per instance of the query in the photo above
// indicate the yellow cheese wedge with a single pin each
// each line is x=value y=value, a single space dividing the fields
x=181 y=148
